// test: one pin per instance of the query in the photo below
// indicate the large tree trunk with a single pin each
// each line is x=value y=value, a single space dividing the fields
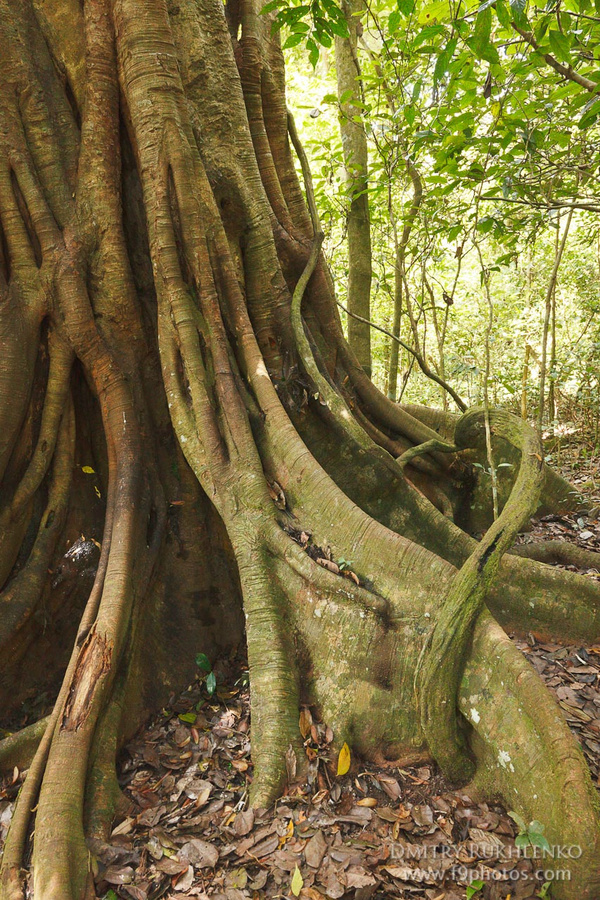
x=172 y=360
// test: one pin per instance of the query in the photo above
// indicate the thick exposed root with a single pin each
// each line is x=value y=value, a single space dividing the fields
x=440 y=671
x=523 y=751
x=563 y=553
x=18 y=749
x=527 y=757
x=557 y=494
x=537 y=598
x=528 y=596
x=273 y=672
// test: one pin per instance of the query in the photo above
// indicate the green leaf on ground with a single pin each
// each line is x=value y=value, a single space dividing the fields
x=203 y=662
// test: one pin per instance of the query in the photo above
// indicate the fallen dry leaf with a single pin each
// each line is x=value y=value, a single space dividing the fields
x=315 y=850
x=344 y=760
x=200 y=853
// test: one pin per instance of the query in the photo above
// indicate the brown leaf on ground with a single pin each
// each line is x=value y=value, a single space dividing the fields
x=315 y=850
x=189 y=833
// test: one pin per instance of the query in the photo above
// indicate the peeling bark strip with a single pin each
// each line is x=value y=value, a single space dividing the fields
x=93 y=662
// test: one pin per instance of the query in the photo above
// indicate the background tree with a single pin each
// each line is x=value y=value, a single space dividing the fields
x=356 y=161
x=186 y=436
x=500 y=137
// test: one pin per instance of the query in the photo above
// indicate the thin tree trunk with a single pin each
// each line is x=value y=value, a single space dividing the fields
x=486 y=379
x=552 y=387
x=560 y=247
x=440 y=336
x=528 y=348
x=356 y=161
x=524 y=380
x=400 y=246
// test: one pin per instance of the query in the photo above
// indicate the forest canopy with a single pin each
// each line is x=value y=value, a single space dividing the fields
x=501 y=129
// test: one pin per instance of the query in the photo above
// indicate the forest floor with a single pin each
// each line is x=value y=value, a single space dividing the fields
x=396 y=832
x=369 y=833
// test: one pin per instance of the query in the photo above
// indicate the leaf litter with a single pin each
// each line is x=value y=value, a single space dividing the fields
x=370 y=832
x=346 y=829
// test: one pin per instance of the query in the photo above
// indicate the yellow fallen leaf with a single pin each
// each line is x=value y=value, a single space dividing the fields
x=88 y=470
x=367 y=801
x=344 y=760
x=297 y=882
x=289 y=833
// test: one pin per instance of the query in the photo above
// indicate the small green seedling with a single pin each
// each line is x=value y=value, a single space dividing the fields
x=203 y=662
x=531 y=835
x=474 y=888
x=211 y=683
x=243 y=681
x=209 y=677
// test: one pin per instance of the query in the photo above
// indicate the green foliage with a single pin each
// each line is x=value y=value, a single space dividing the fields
x=503 y=144
x=209 y=678
x=203 y=662
x=531 y=835
x=315 y=24
x=474 y=888
x=211 y=683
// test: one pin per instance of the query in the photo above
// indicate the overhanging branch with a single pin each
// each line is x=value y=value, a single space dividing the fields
x=566 y=71
x=422 y=364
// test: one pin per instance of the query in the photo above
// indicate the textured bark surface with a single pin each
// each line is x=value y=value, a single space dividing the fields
x=188 y=443
x=356 y=161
